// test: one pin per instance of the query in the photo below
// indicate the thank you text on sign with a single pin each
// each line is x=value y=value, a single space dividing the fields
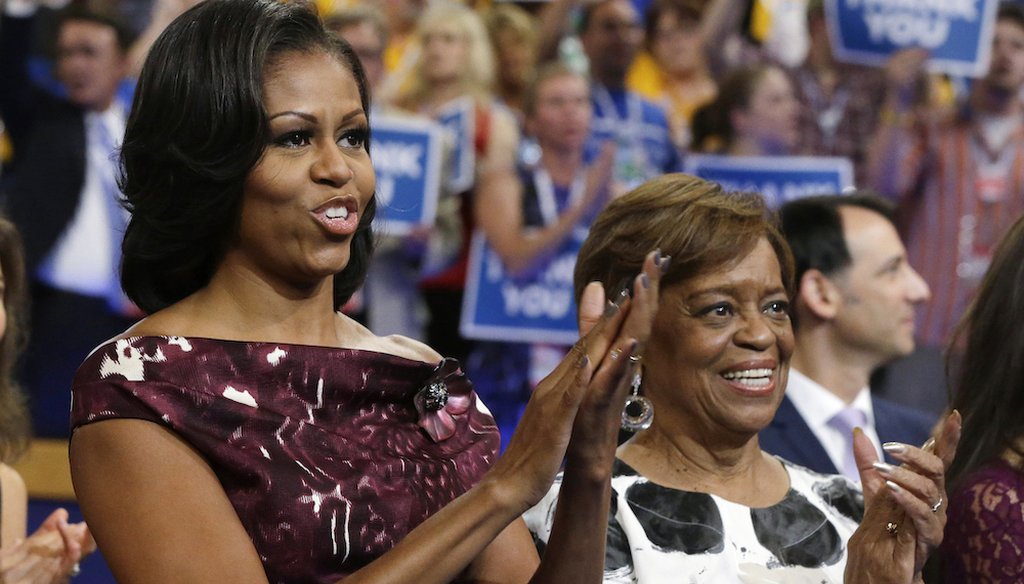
x=777 y=178
x=535 y=307
x=406 y=153
x=956 y=33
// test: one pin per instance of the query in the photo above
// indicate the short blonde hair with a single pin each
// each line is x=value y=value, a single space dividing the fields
x=478 y=77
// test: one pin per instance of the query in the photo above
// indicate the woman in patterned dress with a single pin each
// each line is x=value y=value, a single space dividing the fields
x=246 y=431
x=694 y=497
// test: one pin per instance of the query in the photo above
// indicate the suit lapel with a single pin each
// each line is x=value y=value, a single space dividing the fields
x=799 y=440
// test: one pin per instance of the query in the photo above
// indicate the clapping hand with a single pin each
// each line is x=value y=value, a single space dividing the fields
x=905 y=507
x=50 y=555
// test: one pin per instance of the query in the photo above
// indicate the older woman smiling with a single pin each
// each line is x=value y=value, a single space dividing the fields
x=694 y=496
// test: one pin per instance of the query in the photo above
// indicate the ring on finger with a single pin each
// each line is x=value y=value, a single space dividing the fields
x=615 y=354
x=892 y=528
x=634 y=359
x=938 y=505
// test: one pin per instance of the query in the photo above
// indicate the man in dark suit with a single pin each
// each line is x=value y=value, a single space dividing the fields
x=853 y=312
x=62 y=194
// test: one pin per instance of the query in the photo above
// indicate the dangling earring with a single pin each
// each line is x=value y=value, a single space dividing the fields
x=638 y=412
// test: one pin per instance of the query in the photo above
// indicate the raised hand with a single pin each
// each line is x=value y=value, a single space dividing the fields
x=50 y=555
x=905 y=507
x=593 y=375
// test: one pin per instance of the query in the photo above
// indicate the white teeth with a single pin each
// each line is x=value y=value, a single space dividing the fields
x=755 y=375
x=337 y=213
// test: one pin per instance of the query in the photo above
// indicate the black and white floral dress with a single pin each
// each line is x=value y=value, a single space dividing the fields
x=660 y=534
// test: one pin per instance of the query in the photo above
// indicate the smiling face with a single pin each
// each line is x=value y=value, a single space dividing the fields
x=302 y=201
x=719 y=350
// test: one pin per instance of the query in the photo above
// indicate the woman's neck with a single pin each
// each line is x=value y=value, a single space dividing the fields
x=441 y=93
x=689 y=79
x=562 y=164
x=753 y=147
x=729 y=467
x=746 y=147
x=238 y=304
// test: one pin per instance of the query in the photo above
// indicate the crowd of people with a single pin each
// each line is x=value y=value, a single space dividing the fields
x=212 y=298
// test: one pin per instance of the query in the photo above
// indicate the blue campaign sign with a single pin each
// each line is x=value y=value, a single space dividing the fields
x=459 y=122
x=537 y=307
x=406 y=154
x=957 y=33
x=777 y=178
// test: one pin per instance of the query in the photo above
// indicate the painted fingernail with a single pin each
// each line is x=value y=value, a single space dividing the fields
x=585 y=361
x=883 y=467
x=621 y=298
x=894 y=447
x=634 y=348
x=664 y=263
x=894 y=487
x=657 y=257
x=611 y=309
x=929 y=445
x=645 y=281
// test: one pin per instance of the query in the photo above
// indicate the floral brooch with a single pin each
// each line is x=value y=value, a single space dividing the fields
x=446 y=393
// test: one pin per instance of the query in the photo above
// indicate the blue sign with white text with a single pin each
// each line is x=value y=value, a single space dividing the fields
x=778 y=178
x=956 y=33
x=406 y=154
x=535 y=307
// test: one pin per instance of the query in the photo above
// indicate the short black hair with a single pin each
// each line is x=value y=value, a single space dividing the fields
x=81 y=12
x=198 y=126
x=813 y=228
x=1012 y=11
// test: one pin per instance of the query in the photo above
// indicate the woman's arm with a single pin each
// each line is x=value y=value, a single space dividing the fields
x=575 y=550
x=156 y=508
x=897 y=150
x=13 y=506
x=48 y=555
x=160 y=513
x=499 y=214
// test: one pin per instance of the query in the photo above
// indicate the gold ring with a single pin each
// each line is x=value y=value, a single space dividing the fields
x=892 y=528
x=937 y=506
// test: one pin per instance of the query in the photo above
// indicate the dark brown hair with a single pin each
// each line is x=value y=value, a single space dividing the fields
x=14 y=424
x=699 y=224
x=712 y=123
x=990 y=389
x=684 y=10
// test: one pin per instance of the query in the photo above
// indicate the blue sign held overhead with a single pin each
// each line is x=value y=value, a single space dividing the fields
x=956 y=33
x=778 y=178
x=537 y=307
x=406 y=153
